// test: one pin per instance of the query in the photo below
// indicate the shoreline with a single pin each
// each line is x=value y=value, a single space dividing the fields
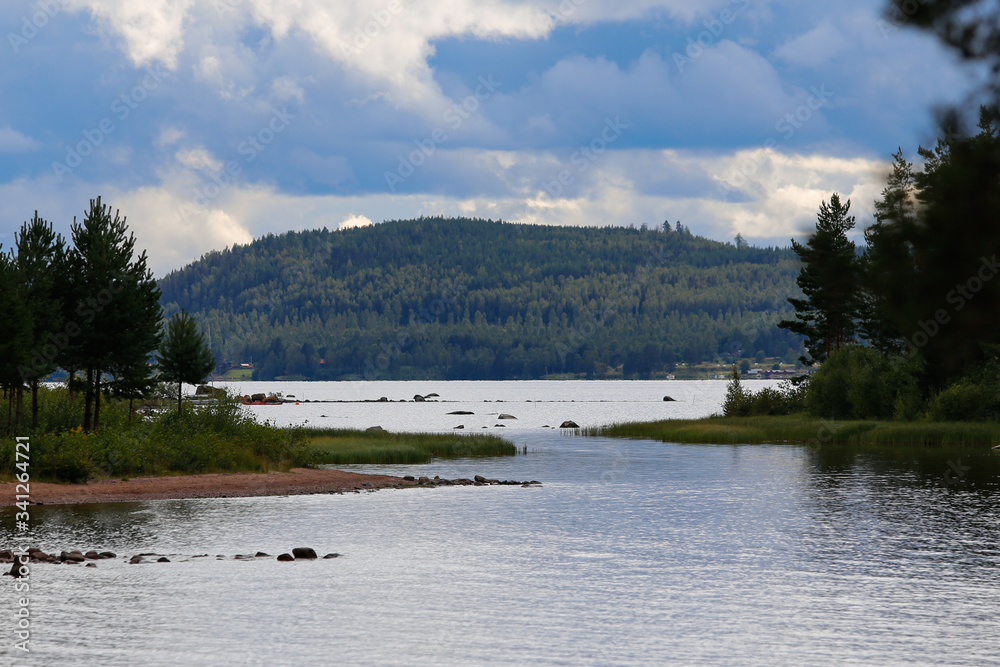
x=297 y=481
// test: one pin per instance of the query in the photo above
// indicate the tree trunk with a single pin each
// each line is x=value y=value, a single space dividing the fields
x=97 y=399
x=34 y=404
x=20 y=405
x=88 y=400
x=179 y=386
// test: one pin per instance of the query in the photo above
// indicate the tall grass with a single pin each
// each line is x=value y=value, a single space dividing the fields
x=212 y=438
x=346 y=446
x=804 y=429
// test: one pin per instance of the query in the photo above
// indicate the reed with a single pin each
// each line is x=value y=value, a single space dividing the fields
x=347 y=446
x=804 y=429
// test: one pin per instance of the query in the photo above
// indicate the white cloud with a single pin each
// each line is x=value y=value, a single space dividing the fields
x=169 y=136
x=198 y=158
x=152 y=30
x=353 y=221
x=816 y=47
x=12 y=141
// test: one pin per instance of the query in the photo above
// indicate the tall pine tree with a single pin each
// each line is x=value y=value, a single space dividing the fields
x=830 y=280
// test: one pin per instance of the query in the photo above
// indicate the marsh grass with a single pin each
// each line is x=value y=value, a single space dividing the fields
x=347 y=446
x=219 y=437
x=803 y=429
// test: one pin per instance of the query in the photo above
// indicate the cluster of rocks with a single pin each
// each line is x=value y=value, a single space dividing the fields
x=36 y=555
x=478 y=480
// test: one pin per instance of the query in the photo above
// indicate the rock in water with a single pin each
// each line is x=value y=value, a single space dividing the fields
x=303 y=552
x=286 y=557
x=418 y=399
x=569 y=424
x=331 y=556
x=668 y=399
x=506 y=416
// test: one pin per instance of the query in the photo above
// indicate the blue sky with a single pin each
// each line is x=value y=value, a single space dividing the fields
x=212 y=122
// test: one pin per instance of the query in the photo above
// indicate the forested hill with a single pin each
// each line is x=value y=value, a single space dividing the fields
x=478 y=299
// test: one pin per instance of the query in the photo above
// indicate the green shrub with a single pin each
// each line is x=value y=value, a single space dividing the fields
x=862 y=383
x=964 y=401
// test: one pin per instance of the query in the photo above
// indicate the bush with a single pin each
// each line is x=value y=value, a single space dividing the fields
x=964 y=401
x=220 y=437
x=862 y=383
x=787 y=399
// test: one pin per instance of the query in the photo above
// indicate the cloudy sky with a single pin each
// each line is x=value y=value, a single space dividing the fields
x=211 y=122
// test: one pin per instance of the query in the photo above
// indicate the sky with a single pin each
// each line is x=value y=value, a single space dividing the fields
x=209 y=123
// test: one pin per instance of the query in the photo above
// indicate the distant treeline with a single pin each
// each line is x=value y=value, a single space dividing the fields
x=479 y=299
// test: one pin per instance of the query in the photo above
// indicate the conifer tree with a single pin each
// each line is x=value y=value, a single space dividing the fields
x=830 y=280
x=117 y=305
x=39 y=254
x=184 y=356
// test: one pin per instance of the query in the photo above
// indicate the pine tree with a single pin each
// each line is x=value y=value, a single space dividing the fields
x=184 y=355
x=15 y=350
x=117 y=305
x=39 y=253
x=830 y=281
x=895 y=213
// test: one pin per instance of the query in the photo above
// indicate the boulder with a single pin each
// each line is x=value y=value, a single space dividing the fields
x=331 y=556
x=107 y=554
x=383 y=399
x=479 y=478
x=569 y=424
x=506 y=416
x=72 y=556
x=303 y=552
x=91 y=564
x=409 y=478
x=162 y=559
x=286 y=557
x=92 y=555
x=500 y=425
x=461 y=412
x=261 y=554
x=135 y=559
x=418 y=398
x=668 y=399
x=459 y=426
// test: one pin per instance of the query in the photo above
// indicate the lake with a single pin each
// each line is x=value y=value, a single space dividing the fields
x=631 y=553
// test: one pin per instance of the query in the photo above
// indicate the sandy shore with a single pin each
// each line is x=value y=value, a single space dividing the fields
x=223 y=485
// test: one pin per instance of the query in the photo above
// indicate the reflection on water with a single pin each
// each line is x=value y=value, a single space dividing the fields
x=633 y=552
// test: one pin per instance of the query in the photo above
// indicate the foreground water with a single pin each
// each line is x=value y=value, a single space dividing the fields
x=632 y=553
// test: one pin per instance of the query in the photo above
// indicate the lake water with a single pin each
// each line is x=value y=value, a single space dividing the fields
x=631 y=553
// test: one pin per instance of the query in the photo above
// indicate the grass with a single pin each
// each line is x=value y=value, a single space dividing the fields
x=346 y=446
x=216 y=437
x=803 y=429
